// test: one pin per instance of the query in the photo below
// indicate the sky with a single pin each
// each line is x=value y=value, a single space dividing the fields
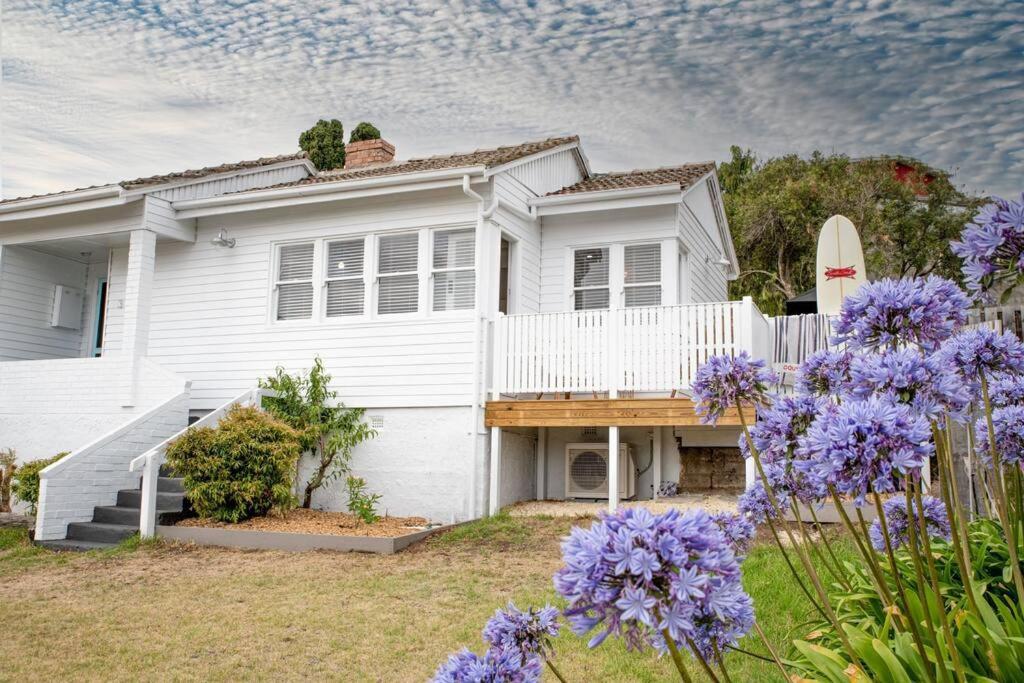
x=96 y=91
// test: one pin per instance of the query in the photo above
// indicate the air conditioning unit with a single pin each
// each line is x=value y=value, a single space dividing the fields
x=586 y=470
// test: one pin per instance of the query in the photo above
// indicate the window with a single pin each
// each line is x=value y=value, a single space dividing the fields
x=294 y=284
x=641 y=275
x=398 y=279
x=590 y=278
x=453 y=270
x=343 y=278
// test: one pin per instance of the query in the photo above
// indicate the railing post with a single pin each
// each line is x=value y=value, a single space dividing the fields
x=147 y=511
x=613 y=356
x=498 y=357
x=746 y=332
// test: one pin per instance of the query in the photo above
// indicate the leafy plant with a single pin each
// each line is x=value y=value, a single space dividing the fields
x=7 y=468
x=325 y=144
x=241 y=468
x=360 y=503
x=325 y=426
x=25 y=485
x=364 y=131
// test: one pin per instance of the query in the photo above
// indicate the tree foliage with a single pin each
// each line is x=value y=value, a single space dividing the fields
x=777 y=206
x=364 y=131
x=325 y=144
x=325 y=426
x=25 y=483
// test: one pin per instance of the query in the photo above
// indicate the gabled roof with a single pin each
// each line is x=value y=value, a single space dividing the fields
x=195 y=174
x=481 y=157
x=686 y=175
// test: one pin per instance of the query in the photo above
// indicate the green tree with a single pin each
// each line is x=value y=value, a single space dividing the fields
x=326 y=427
x=325 y=144
x=364 y=131
x=906 y=213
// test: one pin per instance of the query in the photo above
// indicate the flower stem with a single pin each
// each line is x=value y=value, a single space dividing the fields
x=795 y=507
x=555 y=671
x=957 y=515
x=721 y=662
x=828 y=547
x=700 y=659
x=771 y=650
x=1000 y=491
x=676 y=657
x=792 y=569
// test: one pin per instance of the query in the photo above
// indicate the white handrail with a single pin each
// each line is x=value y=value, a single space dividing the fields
x=151 y=460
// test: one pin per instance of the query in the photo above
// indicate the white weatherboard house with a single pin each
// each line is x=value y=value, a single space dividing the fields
x=517 y=325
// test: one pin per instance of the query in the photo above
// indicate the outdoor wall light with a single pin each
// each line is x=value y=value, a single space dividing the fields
x=221 y=240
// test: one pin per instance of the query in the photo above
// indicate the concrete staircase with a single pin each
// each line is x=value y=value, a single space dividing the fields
x=111 y=524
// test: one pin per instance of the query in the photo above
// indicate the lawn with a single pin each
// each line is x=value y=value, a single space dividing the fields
x=154 y=611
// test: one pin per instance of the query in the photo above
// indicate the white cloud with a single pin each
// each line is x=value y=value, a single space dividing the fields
x=99 y=91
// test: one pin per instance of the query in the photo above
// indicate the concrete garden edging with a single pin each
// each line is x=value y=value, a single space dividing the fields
x=293 y=542
x=828 y=514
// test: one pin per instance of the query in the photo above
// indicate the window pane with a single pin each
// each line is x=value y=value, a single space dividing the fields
x=591 y=298
x=453 y=291
x=590 y=267
x=344 y=258
x=296 y=262
x=344 y=297
x=398 y=253
x=453 y=249
x=294 y=301
x=643 y=296
x=398 y=294
x=642 y=263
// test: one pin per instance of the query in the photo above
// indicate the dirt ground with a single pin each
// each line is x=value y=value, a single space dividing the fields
x=304 y=521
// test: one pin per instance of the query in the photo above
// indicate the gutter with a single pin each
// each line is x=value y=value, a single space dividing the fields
x=71 y=197
x=602 y=195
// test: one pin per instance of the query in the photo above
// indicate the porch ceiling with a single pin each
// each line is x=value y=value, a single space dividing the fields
x=623 y=412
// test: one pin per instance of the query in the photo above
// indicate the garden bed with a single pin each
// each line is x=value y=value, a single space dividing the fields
x=305 y=530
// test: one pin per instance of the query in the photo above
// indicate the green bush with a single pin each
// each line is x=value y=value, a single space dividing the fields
x=325 y=144
x=242 y=468
x=7 y=467
x=364 y=131
x=25 y=486
x=360 y=503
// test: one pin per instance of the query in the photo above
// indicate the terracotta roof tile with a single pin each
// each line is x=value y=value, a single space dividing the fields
x=480 y=157
x=193 y=174
x=686 y=175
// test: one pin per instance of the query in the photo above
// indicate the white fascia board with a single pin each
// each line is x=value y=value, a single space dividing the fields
x=257 y=200
x=64 y=208
x=494 y=170
x=606 y=200
x=147 y=189
x=59 y=198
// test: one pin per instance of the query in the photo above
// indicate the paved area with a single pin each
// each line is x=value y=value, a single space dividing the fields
x=575 y=508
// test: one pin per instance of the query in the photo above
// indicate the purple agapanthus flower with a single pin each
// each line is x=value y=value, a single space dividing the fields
x=1006 y=389
x=887 y=313
x=922 y=382
x=898 y=522
x=776 y=437
x=637 y=575
x=982 y=351
x=864 y=446
x=528 y=632
x=725 y=380
x=824 y=373
x=738 y=528
x=1008 y=425
x=992 y=246
x=755 y=505
x=494 y=666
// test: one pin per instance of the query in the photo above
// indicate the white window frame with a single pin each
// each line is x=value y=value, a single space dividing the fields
x=417 y=271
x=609 y=284
x=434 y=271
x=276 y=282
x=661 y=272
x=368 y=252
x=616 y=272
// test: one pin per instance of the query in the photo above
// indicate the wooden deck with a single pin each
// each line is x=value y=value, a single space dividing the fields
x=621 y=412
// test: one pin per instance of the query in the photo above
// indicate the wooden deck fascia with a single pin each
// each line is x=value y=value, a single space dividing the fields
x=600 y=412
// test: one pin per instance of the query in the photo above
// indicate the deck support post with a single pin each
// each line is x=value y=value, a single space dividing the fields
x=656 y=459
x=750 y=472
x=613 y=468
x=542 y=463
x=493 y=501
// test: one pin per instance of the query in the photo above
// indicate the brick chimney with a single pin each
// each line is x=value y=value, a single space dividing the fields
x=367 y=152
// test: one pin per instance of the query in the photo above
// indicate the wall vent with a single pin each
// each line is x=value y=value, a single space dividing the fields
x=377 y=422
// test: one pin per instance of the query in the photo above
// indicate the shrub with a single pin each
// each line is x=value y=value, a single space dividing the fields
x=361 y=503
x=364 y=131
x=325 y=144
x=7 y=467
x=25 y=485
x=242 y=468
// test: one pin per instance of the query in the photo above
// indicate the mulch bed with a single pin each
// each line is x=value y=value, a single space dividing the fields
x=302 y=521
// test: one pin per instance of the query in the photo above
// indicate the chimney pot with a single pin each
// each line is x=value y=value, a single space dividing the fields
x=368 y=152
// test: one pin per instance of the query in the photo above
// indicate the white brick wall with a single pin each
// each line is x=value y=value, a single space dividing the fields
x=71 y=487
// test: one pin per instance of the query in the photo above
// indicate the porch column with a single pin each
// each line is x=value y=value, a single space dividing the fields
x=138 y=294
x=542 y=462
x=613 y=468
x=656 y=460
x=750 y=471
x=494 y=502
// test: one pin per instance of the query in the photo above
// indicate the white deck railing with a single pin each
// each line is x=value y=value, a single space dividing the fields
x=647 y=349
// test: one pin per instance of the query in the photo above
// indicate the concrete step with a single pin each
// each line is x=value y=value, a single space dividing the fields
x=99 y=532
x=75 y=546
x=132 y=498
x=169 y=485
x=114 y=514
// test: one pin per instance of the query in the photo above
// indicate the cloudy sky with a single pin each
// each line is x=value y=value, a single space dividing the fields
x=100 y=90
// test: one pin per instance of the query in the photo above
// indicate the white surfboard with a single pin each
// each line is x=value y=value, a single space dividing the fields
x=840 y=265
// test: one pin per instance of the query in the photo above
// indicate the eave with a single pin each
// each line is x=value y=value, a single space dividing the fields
x=605 y=200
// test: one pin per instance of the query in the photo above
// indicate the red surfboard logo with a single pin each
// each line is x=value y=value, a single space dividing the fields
x=838 y=273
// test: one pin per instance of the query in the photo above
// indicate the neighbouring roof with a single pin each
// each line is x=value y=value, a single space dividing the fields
x=686 y=175
x=481 y=157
